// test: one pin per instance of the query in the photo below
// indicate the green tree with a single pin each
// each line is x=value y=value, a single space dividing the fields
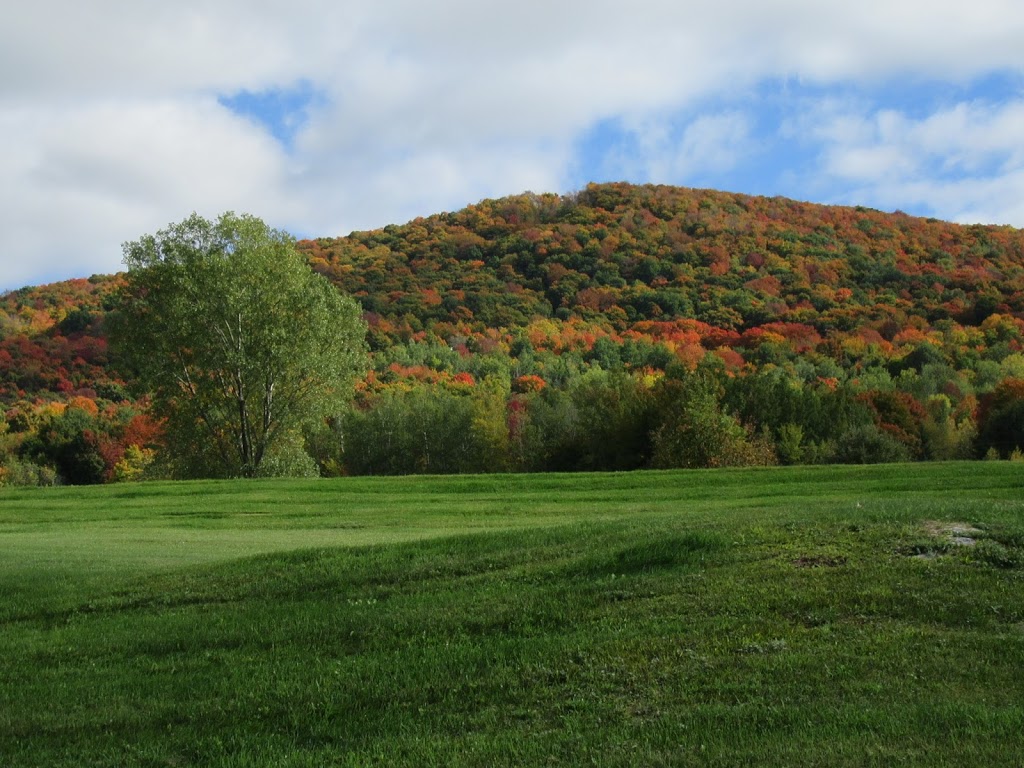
x=549 y=432
x=867 y=444
x=696 y=432
x=947 y=433
x=615 y=414
x=426 y=430
x=1001 y=419
x=790 y=446
x=239 y=341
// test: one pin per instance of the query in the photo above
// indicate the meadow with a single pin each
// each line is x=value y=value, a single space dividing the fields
x=799 y=616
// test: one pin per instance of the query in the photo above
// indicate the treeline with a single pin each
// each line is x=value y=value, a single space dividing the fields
x=443 y=420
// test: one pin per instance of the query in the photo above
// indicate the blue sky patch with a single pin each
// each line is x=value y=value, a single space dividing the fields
x=281 y=111
x=775 y=138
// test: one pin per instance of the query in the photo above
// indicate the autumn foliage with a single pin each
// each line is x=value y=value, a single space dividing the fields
x=548 y=326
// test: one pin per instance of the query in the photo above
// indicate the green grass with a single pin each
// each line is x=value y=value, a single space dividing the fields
x=799 y=616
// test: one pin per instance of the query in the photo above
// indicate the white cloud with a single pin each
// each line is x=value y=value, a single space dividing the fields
x=109 y=124
x=964 y=162
x=656 y=150
x=88 y=178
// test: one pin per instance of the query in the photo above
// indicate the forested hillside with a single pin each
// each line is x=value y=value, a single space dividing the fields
x=615 y=328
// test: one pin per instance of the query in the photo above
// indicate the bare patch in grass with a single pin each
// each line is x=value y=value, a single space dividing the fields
x=941 y=538
x=1001 y=550
x=961 y=534
x=820 y=561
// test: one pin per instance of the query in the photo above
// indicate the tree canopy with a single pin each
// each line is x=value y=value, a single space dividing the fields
x=240 y=343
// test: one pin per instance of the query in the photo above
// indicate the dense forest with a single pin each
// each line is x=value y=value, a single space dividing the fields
x=616 y=328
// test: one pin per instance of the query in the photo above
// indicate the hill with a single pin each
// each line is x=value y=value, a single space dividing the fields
x=622 y=254
x=919 y=323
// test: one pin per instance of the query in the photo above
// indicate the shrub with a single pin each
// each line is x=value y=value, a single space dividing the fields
x=869 y=445
x=27 y=473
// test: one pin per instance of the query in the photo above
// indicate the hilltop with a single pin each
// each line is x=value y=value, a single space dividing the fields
x=622 y=254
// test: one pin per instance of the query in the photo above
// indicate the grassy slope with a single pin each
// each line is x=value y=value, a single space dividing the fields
x=730 y=617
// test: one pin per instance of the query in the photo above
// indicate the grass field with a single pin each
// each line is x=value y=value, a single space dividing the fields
x=799 y=616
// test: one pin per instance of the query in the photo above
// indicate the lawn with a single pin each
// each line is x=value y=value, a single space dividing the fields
x=787 y=616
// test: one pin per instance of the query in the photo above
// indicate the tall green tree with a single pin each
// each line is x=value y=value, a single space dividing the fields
x=240 y=343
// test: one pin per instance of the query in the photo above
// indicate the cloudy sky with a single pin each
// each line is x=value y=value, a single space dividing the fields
x=327 y=116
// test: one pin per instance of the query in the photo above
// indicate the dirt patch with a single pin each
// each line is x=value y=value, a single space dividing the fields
x=997 y=548
x=820 y=561
x=961 y=534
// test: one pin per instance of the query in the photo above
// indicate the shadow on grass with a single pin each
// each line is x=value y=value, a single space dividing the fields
x=685 y=550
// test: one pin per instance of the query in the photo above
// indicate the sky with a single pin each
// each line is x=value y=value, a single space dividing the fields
x=322 y=117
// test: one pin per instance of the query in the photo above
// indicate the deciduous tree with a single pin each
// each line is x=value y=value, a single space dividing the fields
x=238 y=340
